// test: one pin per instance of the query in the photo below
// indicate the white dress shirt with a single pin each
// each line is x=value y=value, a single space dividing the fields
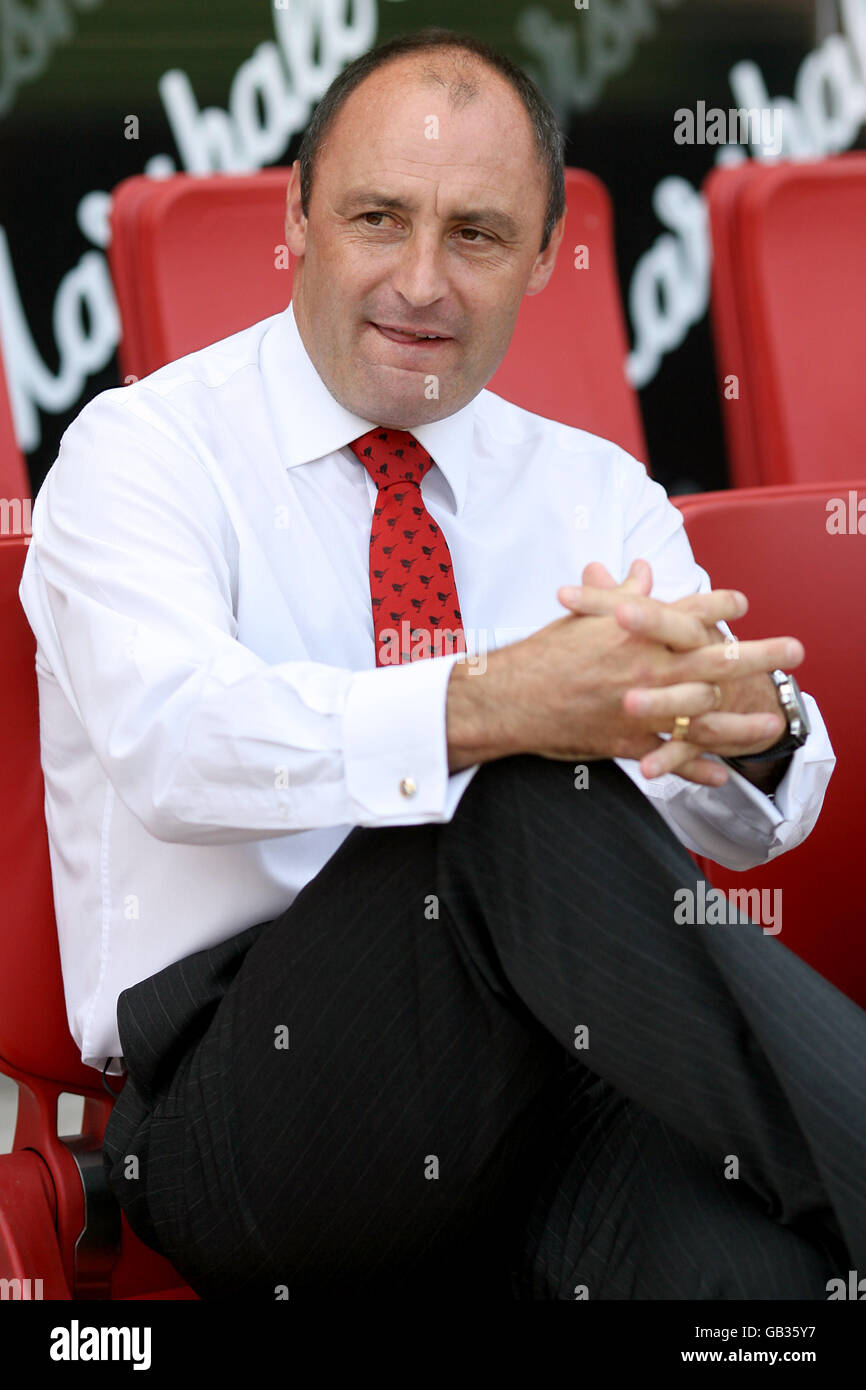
x=212 y=719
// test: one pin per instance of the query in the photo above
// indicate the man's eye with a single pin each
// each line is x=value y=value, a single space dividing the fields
x=483 y=236
x=377 y=214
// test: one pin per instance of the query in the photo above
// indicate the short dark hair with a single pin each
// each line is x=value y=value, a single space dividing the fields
x=549 y=140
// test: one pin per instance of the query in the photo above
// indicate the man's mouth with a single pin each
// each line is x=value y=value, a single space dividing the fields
x=414 y=337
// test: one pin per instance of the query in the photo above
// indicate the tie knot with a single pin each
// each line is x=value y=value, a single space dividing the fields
x=391 y=456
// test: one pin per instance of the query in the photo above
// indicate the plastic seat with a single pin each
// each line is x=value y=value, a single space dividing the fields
x=722 y=188
x=804 y=581
x=194 y=259
x=59 y=1222
x=788 y=307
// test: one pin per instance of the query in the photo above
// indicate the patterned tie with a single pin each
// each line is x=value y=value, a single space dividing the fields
x=416 y=611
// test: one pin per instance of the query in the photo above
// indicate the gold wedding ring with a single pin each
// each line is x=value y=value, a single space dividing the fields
x=682 y=721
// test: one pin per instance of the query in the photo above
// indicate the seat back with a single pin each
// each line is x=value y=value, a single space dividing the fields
x=721 y=189
x=34 y=1033
x=788 y=308
x=196 y=259
x=36 y=1047
x=804 y=580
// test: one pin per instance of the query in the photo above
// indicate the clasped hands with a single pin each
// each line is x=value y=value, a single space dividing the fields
x=682 y=667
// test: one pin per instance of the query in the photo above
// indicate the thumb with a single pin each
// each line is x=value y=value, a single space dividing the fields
x=639 y=578
x=595 y=576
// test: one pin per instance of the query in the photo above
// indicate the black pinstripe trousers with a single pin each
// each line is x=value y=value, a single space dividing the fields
x=481 y=1060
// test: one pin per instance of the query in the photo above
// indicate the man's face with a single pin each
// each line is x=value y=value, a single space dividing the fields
x=425 y=219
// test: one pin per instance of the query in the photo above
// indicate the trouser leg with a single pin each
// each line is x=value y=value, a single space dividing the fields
x=719 y=1031
x=630 y=1209
x=431 y=980
x=345 y=1118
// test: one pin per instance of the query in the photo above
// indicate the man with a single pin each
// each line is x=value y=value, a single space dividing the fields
x=346 y=873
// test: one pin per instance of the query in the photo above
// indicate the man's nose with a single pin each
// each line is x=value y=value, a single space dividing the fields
x=420 y=271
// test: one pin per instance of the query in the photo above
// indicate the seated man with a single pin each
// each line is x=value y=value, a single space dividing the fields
x=365 y=853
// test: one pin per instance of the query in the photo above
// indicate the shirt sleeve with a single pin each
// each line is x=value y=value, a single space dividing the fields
x=129 y=587
x=736 y=825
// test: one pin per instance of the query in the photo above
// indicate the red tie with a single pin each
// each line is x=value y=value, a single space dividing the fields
x=416 y=611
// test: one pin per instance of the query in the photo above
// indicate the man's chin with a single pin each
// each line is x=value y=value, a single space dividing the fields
x=408 y=406
x=402 y=418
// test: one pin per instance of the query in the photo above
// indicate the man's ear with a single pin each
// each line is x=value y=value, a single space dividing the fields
x=546 y=259
x=296 y=222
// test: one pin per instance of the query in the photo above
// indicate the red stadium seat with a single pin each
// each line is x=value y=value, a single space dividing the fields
x=722 y=188
x=59 y=1222
x=52 y=1190
x=194 y=259
x=804 y=581
x=788 y=308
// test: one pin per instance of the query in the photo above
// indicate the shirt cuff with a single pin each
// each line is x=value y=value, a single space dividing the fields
x=395 y=744
x=790 y=816
x=800 y=794
x=737 y=825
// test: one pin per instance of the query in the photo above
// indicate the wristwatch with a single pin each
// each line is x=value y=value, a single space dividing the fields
x=798 y=730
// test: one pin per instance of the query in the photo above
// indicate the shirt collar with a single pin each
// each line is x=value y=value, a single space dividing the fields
x=312 y=423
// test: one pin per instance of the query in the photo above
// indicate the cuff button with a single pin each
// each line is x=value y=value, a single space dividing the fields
x=407 y=787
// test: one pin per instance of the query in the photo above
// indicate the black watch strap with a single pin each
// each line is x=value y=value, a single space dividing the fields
x=785 y=748
x=773 y=755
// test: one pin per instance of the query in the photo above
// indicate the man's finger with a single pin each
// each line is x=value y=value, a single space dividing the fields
x=705 y=771
x=596 y=575
x=694 y=603
x=687 y=761
x=660 y=621
x=674 y=756
x=722 y=735
x=639 y=581
x=712 y=662
x=657 y=708
x=734 y=735
x=639 y=577
x=678 y=626
x=662 y=704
